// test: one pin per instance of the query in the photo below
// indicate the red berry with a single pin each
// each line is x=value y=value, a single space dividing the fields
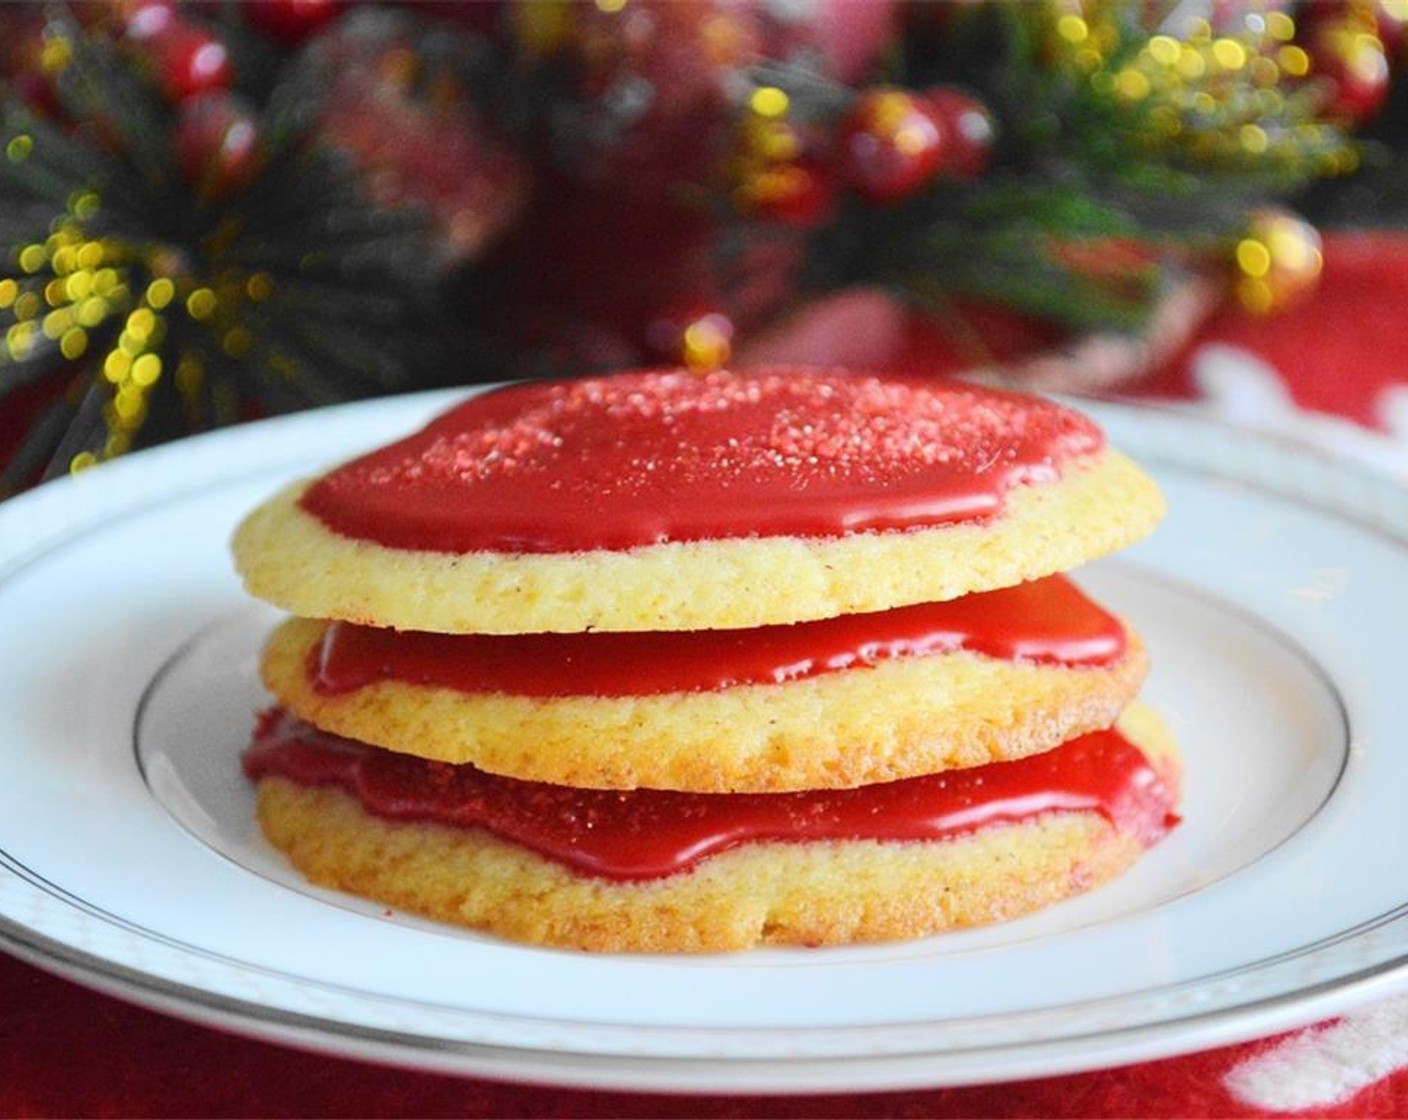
x=289 y=21
x=800 y=193
x=22 y=58
x=892 y=143
x=38 y=93
x=187 y=60
x=968 y=130
x=147 y=18
x=1351 y=57
x=217 y=144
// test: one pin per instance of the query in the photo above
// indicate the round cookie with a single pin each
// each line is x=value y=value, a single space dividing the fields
x=879 y=720
x=770 y=892
x=673 y=501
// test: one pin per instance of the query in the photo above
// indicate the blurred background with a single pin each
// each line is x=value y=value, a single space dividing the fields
x=218 y=211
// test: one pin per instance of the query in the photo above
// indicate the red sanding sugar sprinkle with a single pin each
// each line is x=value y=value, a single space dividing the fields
x=840 y=426
x=644 y=457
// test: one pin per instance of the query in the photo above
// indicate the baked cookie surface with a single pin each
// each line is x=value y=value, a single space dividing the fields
x=878 y=719
x=807 y=892
x=669 y=501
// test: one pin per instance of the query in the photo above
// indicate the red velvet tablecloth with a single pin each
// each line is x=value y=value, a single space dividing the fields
x=1335 y=370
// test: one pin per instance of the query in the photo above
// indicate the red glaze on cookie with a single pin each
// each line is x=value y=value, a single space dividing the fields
x=1048 y=621
x=647 y=458
x=647 y=834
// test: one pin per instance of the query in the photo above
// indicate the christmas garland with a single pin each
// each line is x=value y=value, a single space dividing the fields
x=218 y=211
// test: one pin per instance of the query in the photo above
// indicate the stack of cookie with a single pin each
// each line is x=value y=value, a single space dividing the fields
x=668 y=662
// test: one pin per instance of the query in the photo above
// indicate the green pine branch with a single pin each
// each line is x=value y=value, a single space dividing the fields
x=304 y=291
x=1078 y=162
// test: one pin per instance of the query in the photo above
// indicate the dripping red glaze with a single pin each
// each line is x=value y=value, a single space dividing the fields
x=1047 y=621
x=650 y=457
x=647 y=834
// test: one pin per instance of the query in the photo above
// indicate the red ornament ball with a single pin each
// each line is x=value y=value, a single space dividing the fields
x=217 y=144
x=891 y=143
x=969 y=131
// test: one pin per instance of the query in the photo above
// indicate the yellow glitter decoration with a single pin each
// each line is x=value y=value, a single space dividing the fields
x=1229 y=53
x=19 y=341
x=73 y=343
x=1254 y=138
x=116 y=366
x=146 y=370
x=56 y=323
x=1164 y=49
x=57 y=53
x=92 y=311
x=765 y=172
x=544 y=27
x=201 y=303
x=85 y=206
x=190 y=375
x=28 y=305
x=775 y=185
x=1278 y=261
x=19 y=148
x=1263 y=71
x=1294 y=61
x=1222 y=99
x=237 y=342
x=259 y=287
x=1191 y=64
x=1253 y=258
x=1132 y=85
x=70 y=285
x=32 y=258
x=1089 y=58
x=90 y=255
x=1280 y=26
x=130 y=404
x=160 y=293
x=78 y=286
x=141 y=323
x=778 y=143
x=770 y=102
x=707 y=344
x=1073 y=29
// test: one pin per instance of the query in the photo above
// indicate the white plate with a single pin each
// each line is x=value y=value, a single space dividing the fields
x=1274 y=600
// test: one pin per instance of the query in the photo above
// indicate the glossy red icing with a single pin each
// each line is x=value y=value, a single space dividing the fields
x=646 y=834
x=644 y=458
x=1046 y=621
